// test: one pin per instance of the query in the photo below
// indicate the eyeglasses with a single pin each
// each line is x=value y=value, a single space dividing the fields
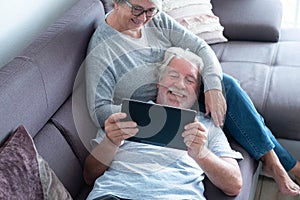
x=138 y=10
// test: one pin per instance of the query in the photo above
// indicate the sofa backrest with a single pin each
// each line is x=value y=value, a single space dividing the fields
x=38 y=82
x=243 y=20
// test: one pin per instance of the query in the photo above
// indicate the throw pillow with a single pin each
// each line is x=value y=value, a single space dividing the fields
x=24 y=174
x=197 y=16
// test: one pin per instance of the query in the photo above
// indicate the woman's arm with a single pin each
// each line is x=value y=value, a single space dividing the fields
x=179 y=36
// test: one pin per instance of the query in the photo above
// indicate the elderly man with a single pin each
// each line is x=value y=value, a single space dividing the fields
x=128 y=170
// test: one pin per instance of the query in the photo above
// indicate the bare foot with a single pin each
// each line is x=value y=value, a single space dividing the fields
x=273 y=168
x=296 y=172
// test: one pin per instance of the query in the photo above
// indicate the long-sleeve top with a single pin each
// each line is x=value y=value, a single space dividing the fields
x=119 y=66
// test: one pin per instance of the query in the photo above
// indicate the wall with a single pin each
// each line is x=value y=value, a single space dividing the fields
x=291 y=13
x=22 y=20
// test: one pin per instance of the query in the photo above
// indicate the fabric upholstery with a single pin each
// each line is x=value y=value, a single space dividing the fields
x=14 y=96
x=69 y=36
x=108 y=5
x=77 y=131
x=242 y=20
x=47 y=68
x=249 y=172
x=36 y=87
x=269 y=72
x=52 y=146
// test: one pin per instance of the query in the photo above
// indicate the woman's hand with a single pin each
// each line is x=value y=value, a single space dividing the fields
x=195 y=137
x=215 y=104
x=117 y=130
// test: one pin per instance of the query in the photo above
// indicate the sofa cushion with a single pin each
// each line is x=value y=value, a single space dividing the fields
x=243 y=19
x=197 y=16
x=269 y=73
x=53 y=147
x=108 y=5
x=24 y=174
x=60 y=50
x=75 y=124
x=36 y=83
x=22 y=97
x=250 y=171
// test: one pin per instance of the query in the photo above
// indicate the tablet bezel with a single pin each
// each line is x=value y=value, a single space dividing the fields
x=166 y=132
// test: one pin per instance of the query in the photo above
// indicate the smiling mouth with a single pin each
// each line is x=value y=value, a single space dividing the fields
x=177 y=94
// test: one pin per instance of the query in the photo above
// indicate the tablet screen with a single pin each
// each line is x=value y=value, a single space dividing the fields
x=158 y=125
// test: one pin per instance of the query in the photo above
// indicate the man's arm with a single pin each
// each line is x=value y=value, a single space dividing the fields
x=102 y=155
x=99 y=160
x=223 y=172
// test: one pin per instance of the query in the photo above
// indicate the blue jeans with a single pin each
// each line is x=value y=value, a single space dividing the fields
x=247 y=126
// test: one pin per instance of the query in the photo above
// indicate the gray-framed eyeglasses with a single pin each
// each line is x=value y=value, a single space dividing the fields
x=138 y=10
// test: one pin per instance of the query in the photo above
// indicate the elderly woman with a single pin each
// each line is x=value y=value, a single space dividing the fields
x=122 y=55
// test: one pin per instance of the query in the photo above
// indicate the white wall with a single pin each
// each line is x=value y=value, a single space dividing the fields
x=22 y=20
x=291 y=13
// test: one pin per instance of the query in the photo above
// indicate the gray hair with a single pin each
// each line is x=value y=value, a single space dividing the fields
x=157 y=3
x=180 y=53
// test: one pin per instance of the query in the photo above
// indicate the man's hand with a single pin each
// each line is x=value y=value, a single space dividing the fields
x=215 y=104
x=195 y=137
x=117 y=130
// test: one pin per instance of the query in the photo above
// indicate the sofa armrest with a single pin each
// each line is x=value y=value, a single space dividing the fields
x=253 y=20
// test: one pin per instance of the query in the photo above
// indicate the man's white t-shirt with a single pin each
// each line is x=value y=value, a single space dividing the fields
x=143 y=171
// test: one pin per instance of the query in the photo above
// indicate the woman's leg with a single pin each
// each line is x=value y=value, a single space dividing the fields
x=247 y=126
x=286 y=159
x=242 y=120
x=273 y=168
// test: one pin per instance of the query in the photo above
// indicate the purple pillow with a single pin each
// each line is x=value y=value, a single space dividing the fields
x=24 y=174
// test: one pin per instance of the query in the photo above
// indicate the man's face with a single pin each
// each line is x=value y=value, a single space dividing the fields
x=179 y=84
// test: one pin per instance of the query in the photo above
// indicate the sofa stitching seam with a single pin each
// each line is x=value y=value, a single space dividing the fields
x=269 y=77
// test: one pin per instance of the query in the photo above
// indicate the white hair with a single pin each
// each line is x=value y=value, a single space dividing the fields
x=181 y=53
x=157 y=3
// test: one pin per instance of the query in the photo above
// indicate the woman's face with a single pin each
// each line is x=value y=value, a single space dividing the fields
x=127 y=20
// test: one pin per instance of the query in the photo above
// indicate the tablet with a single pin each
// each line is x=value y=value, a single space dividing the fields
x=158 y=125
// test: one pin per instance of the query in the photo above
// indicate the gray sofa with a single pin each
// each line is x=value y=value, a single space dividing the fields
x=42 y=88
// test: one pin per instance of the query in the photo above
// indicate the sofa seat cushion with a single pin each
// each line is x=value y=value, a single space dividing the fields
x=73 y=121
x=53 y=147
x=269 y=73
x=250 y=172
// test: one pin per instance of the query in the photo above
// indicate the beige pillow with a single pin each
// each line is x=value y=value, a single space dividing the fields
x=26 y=175
x=197 y=16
